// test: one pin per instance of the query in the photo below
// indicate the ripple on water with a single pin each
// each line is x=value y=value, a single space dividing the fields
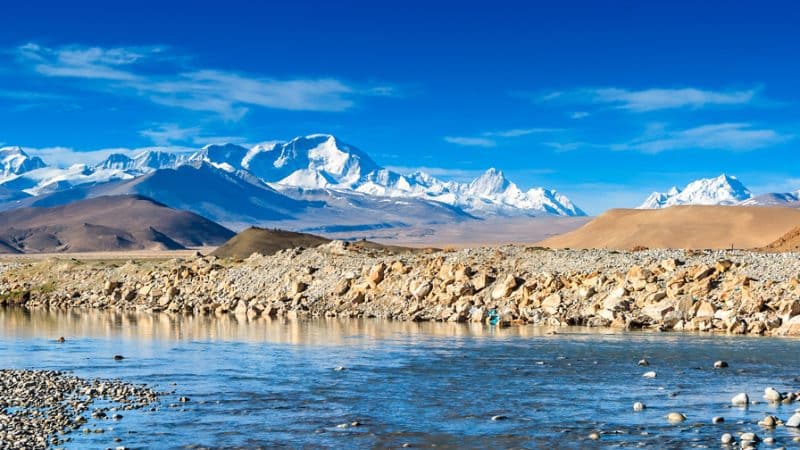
x=274 y=384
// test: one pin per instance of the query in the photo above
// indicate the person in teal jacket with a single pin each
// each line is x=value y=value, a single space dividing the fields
x=494 y=317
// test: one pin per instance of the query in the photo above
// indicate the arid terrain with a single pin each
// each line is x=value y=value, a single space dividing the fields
x=721 y=291
x=684 y=227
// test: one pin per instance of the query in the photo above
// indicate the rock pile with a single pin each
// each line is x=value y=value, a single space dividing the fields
x=38 y=407
x=732 y=292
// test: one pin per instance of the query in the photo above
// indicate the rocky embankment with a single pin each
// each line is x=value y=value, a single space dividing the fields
x=721 y=291
x=39 y=408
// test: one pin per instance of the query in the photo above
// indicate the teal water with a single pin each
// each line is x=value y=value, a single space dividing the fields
x=274 y=383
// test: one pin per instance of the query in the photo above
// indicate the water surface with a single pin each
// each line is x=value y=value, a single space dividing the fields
x=274 y=383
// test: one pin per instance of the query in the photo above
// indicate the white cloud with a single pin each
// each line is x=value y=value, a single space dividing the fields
x=169 y=133
x=579 y=115
x=489 y=138
x=229 y=94
x=517 y=132
x=653 y=99
x=723 y=136
x=470 y=141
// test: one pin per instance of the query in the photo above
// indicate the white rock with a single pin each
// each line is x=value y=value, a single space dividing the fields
x=650 y=374
x=794 y=421
x=639 y=406
x=771 y=395
x=740 y=399
x=726 y=439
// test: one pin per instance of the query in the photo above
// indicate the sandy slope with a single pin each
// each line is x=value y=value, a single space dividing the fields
x=691 y=227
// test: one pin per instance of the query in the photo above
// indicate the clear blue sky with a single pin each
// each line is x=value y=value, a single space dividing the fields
x=604 y=102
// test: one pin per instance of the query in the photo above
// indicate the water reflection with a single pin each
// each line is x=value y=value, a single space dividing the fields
x=165 y=326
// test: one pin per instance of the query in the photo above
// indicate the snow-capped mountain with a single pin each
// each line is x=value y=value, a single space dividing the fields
x=14 y=161
x=722 y=190
x=774 y=199
x=302 y=167
x=143 y=162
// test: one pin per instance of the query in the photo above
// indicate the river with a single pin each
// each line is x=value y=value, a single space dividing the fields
x=302 y=384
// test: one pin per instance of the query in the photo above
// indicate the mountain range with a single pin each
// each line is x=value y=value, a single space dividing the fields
x=315 y=182
x=722 y=190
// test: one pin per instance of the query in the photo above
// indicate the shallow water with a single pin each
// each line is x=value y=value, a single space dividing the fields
x=273 y=383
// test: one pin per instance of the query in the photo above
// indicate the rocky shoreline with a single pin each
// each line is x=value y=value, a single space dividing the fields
x=40 y=408
x=710 y=291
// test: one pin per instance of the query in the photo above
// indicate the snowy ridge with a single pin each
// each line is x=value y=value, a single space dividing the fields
x=14 y=161
x=303 y=164
x=722 y=190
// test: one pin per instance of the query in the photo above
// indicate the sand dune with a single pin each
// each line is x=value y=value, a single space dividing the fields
x=689 y=227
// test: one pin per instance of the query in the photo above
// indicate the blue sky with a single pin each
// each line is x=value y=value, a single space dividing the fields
x=604 y=102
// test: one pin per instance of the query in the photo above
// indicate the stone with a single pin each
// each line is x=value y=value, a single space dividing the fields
x=772 y=396
x=705 y=310
x=639 y=406
x=504 y=288
x=676 y=417
x=717 y=419
x=768 y=422
x=376 y=274
x=749 y=437
x=644 y=362
x=720 y=364
x=594 y=436
x=650 y=374
x=794 y=421
x=422 y=291
x=741 y=399
x=551 y=304
x=726 y=439
x=499 y=417
x=118 y=357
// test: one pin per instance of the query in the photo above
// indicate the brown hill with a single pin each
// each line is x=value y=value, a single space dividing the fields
x=689 y=227
x=789 y=242
x=266 y=242
x=125 y=222
x=270 y=241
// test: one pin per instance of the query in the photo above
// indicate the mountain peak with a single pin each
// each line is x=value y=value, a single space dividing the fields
x=14 y=161
x=492 y=181
x=722 y=190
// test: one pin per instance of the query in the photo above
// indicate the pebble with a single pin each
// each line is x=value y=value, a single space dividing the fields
x=769 y=422
x=639 y=406
x=118 y=357
x=749 y=437
x=339 y=368
x=794 y=421
x=741 y=399
x=717 y=419
x=650 y=374
x=644 y=362
x=594 y=436
x=676 y=417
x=41 y=412
x=183 y=399
x=769 y=440
x=720 y=365
x=726 y=439
x=771 y=395
x=499 y=417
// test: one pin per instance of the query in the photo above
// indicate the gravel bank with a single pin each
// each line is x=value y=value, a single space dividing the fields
x=40 y=408
x=720 y=291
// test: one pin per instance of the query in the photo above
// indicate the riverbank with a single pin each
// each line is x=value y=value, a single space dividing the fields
x=41 y=408
x=716 y=291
